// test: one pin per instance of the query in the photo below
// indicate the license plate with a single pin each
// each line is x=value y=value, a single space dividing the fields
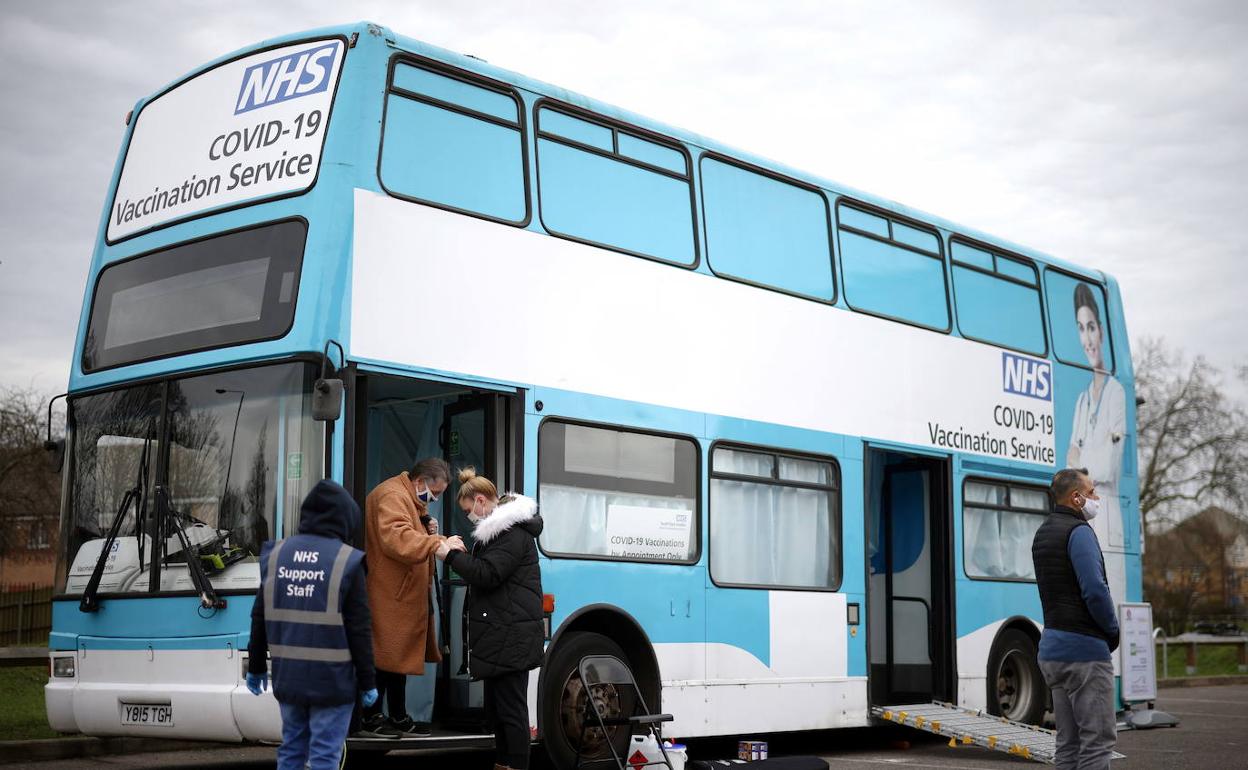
x=147 y=714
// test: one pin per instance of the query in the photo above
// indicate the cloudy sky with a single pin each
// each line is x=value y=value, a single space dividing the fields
x=1112 y=134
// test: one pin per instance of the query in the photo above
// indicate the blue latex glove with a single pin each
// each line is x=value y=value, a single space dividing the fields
x=257 y=683
x=368 y=697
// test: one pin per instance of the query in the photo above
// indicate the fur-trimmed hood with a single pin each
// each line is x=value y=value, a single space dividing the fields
x=518 y=511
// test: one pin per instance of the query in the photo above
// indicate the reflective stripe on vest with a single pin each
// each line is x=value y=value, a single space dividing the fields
x=322 y=654
x=330 y=616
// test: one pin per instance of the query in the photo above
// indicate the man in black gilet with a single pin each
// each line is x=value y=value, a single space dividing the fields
x=1080 y=624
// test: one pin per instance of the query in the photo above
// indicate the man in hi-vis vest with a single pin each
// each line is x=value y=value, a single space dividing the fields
x=312 y=615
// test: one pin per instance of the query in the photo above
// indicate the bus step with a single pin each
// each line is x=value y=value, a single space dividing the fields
x=440 y=739
x=972 y=727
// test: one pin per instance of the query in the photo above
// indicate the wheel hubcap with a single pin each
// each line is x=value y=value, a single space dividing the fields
x=592 y=740
x=1014 y=686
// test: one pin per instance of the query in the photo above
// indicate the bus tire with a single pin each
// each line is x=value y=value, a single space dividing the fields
x=1016 y=688
x=563 y=703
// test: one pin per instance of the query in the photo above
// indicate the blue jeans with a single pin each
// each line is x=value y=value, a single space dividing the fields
x=312 y=736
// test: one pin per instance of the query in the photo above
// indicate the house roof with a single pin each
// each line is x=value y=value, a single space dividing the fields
x=1224 y=522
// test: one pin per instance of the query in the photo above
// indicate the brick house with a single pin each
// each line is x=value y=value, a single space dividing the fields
x=1199 y=567
x=30 y=558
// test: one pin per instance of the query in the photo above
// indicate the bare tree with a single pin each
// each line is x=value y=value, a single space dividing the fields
x=30 y=490
x=1193 y=438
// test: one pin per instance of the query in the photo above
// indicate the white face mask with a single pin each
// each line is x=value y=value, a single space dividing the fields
x=1091 y=507
x=473 y=516
x=426 y=495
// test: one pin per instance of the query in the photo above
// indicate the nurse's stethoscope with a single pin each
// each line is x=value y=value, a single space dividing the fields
x=1090 y=422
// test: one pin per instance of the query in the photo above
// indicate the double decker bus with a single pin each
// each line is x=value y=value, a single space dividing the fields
x=790 y=440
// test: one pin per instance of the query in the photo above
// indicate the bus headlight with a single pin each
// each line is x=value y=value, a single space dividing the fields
x=63 y=666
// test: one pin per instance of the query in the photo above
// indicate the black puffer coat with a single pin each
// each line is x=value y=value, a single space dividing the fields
x=504 y=604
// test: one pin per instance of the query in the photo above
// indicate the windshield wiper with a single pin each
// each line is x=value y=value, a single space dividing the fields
x=166 y=513
x=90 y=601
x=167 y=517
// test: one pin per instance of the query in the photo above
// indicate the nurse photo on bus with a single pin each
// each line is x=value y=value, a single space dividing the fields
x=1099 y=427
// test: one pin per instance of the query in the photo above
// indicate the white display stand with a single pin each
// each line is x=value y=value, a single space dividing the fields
x=1137 y=653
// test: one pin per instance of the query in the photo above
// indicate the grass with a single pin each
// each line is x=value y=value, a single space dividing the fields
x=1211 y=660
x=22 y=714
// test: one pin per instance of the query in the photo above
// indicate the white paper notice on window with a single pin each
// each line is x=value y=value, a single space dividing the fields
x=639 y=532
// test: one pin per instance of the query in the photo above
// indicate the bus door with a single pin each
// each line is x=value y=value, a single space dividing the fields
x=909 y=623
x=393 y=421
x=478 y=430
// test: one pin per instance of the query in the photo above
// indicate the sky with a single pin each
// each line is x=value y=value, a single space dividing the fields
x=1111 y=134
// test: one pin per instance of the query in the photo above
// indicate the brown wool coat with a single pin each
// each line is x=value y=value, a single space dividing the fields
x=400 y=568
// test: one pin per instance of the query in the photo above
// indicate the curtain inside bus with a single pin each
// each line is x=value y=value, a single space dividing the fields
x=754 y=525
x=997 y=540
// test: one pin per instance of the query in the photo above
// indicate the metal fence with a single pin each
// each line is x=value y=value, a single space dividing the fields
x=1190 y=641
x=25 y=615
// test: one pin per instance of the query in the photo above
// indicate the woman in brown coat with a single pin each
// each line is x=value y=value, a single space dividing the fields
x=400 y=542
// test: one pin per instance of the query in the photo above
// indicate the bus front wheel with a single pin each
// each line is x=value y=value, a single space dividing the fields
x=1016 y=688
x=563 y=704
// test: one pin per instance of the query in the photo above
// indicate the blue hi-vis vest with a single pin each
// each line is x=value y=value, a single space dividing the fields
x=303 y=580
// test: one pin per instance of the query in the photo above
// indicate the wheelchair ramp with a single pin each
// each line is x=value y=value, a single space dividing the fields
x=967 y=727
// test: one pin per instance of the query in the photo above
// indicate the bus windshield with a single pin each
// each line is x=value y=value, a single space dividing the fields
x=235 y=451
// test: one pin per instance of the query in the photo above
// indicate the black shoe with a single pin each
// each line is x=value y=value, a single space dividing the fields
x=376 y=726
x=409 y=729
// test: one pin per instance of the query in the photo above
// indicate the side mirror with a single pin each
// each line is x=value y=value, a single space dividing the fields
x=327 y=391
x=326 y=400
x=54 y=447
x=56 y=453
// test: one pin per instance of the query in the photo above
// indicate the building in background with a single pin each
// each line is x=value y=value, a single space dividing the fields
x=30 y=493
x=30 y=558
x=1198 y=570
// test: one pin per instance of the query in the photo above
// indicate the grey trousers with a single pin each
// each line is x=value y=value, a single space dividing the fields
x=1083 y=706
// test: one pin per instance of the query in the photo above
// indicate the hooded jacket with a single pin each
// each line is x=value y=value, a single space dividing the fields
x=504 y=603
x=311 y=613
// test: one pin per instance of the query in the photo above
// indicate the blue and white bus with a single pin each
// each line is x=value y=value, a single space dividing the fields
x=790 y=440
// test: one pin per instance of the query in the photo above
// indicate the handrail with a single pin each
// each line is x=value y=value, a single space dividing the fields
x=1193 y=639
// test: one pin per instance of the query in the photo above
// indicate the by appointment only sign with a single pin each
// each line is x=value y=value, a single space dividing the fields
x=248 y=129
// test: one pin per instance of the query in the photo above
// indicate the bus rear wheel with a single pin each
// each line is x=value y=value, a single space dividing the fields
x=563 y=703
x=1016 y=688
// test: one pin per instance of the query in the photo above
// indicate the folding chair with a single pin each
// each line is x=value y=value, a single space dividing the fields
x=608 y=680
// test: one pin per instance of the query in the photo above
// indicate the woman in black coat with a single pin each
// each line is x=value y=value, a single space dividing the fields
x=504 y=608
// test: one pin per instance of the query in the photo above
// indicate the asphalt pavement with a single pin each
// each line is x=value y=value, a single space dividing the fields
x=1213 y=735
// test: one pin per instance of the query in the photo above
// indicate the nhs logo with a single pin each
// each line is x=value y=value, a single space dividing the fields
x=1026 y=376
x=287 y=77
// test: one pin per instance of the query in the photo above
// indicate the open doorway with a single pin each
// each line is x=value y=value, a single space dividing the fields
x=910 y=603
x=396 y=421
